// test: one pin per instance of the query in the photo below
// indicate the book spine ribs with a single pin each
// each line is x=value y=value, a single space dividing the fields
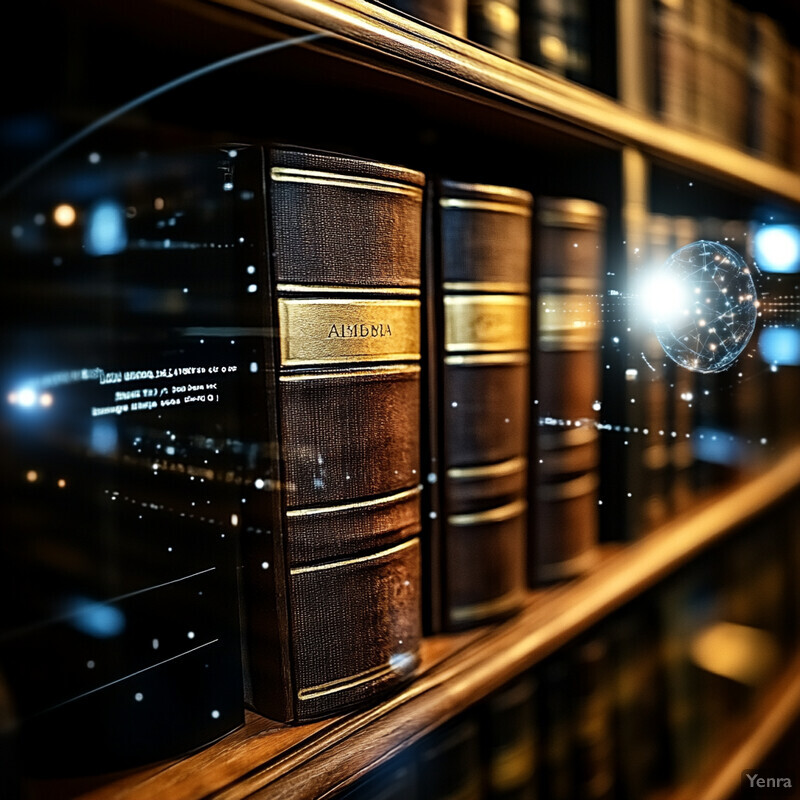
x=569 y=243
x=344 y=261
x=482 y=281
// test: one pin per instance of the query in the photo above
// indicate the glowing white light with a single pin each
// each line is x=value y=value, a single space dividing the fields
x=664 y=297
x=26 y=397
x=64 y=215
x=777 y=248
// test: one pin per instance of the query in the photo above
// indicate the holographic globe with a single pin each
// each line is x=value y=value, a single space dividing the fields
x=703 y=306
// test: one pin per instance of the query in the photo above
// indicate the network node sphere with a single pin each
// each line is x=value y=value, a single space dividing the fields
x=706 y=306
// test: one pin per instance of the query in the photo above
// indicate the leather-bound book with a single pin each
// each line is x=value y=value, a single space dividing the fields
x=657 y=376
x=479 y=370
x=676 y=78
x=769 y=101
x=449 y=761
x=569 y=242
x=495 y=24
x=685 y=398
x=509 y=740
x=448 y=15
x=331 y=552
x=558 y=36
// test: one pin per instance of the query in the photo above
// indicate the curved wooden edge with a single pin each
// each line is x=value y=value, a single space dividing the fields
x=750 y=741
x=424 y=52
x=267 y=760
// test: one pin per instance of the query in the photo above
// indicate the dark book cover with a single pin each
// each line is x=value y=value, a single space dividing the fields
x=449 y=15
x=449 y=761
x=331 y=565
x=478 y=291
x=557 y=35
x=569 y=256
x=495 y=24
x=509 y=740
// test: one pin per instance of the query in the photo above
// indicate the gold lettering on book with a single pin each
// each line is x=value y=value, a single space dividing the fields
x=324 y=331
x=486 y=323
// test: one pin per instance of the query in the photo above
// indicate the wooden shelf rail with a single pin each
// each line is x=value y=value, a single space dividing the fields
x=407 y=47
x=264 y=759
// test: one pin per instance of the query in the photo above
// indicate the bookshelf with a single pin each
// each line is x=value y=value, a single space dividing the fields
x=267 y=760
x=365 y=61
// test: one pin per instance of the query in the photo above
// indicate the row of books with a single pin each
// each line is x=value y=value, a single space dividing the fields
x=634 y=707
x=560 y=37
x=730 y=74
x=282 y=397
x=718 y=69
x=281 y=413
x=685 y=432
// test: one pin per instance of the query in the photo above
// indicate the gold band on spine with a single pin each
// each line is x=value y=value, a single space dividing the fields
x=486 y=323
x=569 y=212
x=569 y=285
x=360 y=560
x=351 y=681
x=510 y=467
x=568 y=437
x=500 y=514
x=485 y=205
x=487 y=359
x=324 y=331
x=569 y=490
x=292 y=175
x=496 y=287
x=488 y=608
x=380 y=369
x=311 y=288
x=568 y=321
x=366 y=504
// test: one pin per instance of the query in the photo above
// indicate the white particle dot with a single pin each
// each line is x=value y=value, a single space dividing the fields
x=138 y=697
x=432 y=515
x=265 y=565
x=454 y=404
x=155 y=644
x=432 y=477
x=90 y=664
x=215 y=714
x=190 y=635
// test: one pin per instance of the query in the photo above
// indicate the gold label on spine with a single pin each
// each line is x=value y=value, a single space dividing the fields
x=326 y=331
x=568 y=321
x=486 y=323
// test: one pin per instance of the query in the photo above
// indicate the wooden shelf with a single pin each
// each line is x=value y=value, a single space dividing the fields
x=266 y=759
x=399 y=44
x=749 y=742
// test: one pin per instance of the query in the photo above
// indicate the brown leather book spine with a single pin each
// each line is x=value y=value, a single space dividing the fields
x=676 y=59
x=569 y=257
x=510 y=741
x=337 y=544
x=495 y=24
x=448 y=15
x=479 y=285
x=449 y=761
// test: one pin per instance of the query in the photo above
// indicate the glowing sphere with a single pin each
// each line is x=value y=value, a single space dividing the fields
x=703 y=306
